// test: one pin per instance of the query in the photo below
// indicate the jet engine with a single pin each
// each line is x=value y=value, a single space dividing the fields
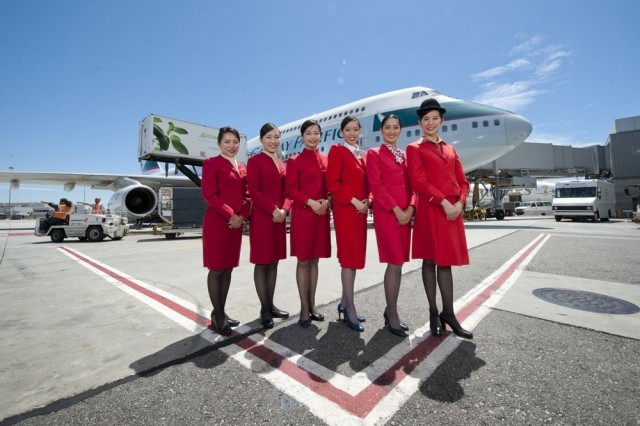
x=134 y=201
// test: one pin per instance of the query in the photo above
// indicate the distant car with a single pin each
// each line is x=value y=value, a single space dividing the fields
x=521 y=208
x=538 y=208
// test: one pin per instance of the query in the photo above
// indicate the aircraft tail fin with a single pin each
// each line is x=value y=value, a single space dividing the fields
x=150 y=167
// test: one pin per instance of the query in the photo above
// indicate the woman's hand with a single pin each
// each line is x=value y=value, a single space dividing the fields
x=236 y=221
x=279 y=215
x=362 y=206
x=451 y=210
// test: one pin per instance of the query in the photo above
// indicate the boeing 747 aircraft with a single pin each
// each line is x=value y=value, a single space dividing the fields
x=480 y=133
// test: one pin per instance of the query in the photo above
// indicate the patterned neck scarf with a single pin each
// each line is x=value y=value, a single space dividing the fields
x=397 y=153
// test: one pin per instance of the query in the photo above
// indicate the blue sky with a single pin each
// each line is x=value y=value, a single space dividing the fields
x=78 y=76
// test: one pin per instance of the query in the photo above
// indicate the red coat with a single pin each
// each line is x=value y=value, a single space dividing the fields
x=306 y=179
x=437 y=175
x=391 y=186
x=225 y=191
x=266 y=188
x=346 y=178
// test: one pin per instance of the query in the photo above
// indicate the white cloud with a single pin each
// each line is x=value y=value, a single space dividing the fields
x=515 y=85
x=509 y=96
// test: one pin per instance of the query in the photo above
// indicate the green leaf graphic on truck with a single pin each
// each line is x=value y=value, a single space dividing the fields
x=170 y=137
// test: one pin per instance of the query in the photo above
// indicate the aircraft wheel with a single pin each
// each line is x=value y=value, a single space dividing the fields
x=171 y=236
x=57 y=235
x=82 y=238
x=558 y=218
x=95 y=234
x=499 y=214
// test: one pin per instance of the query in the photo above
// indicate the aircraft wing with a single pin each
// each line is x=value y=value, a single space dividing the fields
x=93 y=180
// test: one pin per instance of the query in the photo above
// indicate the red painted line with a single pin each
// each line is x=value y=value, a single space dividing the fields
x=16 y=234
x=187 y=313
x=361 y=404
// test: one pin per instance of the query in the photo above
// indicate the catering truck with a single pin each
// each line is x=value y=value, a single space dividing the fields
x=584 y=199
x=177 y=141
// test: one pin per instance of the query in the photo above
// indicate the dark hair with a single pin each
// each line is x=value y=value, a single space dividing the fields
x=388 y=117
x=227 y=129
x=308 y=124
x=267 y=128
x=348 y=119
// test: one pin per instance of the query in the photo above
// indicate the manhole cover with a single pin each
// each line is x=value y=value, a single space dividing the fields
x=586 y=301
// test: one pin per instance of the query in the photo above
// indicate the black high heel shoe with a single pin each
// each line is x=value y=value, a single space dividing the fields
x=304 y=323
x=434 y=324
x=342 y=310
x=316 y=317
x=455 y=327
x=232 y=322
x=277 y=313
x=225 y=330
x=403 y=325
x=266 y=322
x=397 y=331
x=353 y=325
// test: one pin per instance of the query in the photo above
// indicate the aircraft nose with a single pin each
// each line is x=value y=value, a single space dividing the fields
x=518 y=129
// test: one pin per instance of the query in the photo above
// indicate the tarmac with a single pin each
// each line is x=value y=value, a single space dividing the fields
x=117 y=332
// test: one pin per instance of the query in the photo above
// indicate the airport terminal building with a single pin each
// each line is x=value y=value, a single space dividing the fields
x=623 y=152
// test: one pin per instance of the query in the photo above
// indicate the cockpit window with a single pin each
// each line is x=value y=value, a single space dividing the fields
x=415 y=95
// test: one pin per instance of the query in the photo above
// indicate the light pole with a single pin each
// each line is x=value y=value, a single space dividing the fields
x=11 y=170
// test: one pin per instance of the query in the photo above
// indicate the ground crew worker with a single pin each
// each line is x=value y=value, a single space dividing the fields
x=58 y=216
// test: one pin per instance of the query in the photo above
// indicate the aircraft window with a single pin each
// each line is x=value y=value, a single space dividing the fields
x=474 y=124
x=357 y=109
x=409 y=133
x=340 y=115
x=363 y=108
x=485 y=123
x=415 y=95
x=417 y=133
x=496 y=122
x=351 y=112
x=454 y=127
x=444 y=128
x=377 y=138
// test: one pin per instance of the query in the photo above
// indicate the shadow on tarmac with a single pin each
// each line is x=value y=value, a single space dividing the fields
x=444 y=384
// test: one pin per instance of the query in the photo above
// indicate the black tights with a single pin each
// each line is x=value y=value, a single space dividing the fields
x=264 y=277
x=307 y=280
x=218 y=283
x=392 y=277
x=444 y=280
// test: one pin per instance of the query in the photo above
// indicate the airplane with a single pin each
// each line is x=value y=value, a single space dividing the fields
x=480 y=133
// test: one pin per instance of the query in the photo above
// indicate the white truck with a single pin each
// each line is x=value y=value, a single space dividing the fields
x=86 y=226
x=584 y=199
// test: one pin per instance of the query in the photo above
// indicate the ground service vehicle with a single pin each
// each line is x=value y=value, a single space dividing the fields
x=182 y=210
x=535 y=208
x=86 y=226
x=584 y=199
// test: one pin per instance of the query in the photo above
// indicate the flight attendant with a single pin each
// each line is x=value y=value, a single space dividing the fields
x=268 y=227
x=310 y=237
x=347 y=183
x=438 y=179
x=224 y=189
x=393 y=209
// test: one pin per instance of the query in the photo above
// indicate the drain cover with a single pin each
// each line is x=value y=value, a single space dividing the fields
x=586 y=301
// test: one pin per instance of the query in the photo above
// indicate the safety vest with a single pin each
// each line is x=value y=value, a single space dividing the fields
x=96 y=209
x=62 y=212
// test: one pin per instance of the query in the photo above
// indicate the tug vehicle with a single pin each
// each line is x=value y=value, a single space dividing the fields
x=85 y=226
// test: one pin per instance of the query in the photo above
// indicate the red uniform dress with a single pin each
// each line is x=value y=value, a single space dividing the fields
x=346 y=178
x=391 y=186
x=225 y=191
x=266 y=188
x=306 y=179
x=436 y=175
